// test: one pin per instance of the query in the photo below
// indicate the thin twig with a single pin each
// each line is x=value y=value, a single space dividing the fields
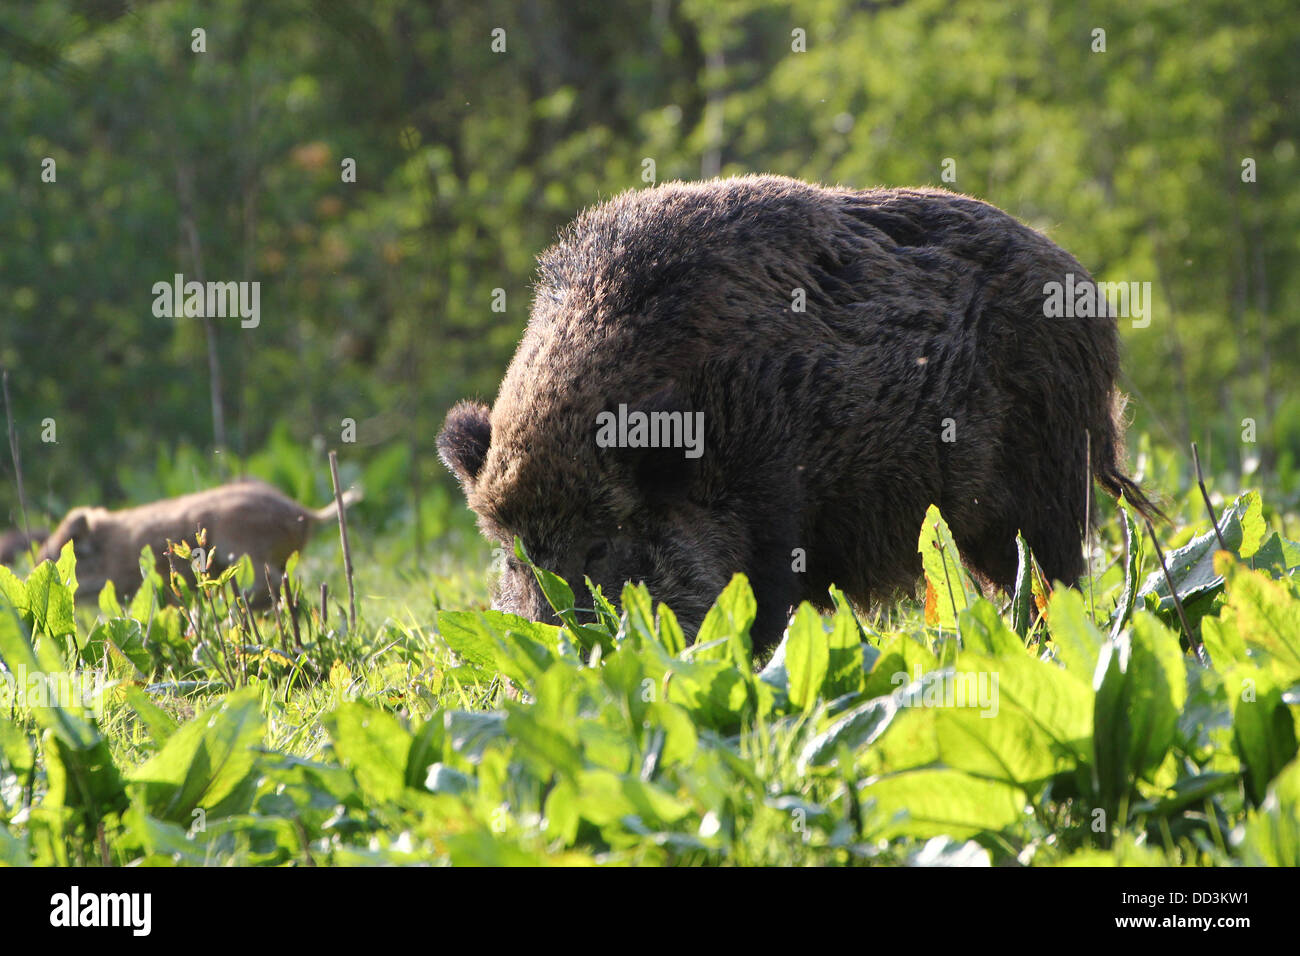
x=18 y=461
x=1197 y=646
x=276 y=605
x=290 y=600
x=1200 y=481
x=343 y=533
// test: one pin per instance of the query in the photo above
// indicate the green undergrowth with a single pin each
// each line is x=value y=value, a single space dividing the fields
x=1109 y=724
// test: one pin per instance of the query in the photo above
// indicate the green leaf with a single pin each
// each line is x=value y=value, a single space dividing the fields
x=560 y=596
x=1263 y=727
x=999 y=744
x=1022 y=601
x=1141 y=688
x=1056 y=701
x=845 y=669
x=1266 y=616
x=729 y=620
x=984 y=630
x=126 y=637
x=1076 y=640
x=49 y=602
x=807 y=656
x=547 y=745
x=374 y=745
x=854 y=729
x=204 y=761
x=471 y=734
x=1278 y=555
x=1192 y=566
x=1133 y=548
x=1272 y=831
x=160 y=725
x=942 y=802
x=66 y=567
x=945 y=584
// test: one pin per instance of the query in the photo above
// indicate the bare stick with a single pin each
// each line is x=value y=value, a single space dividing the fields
x=343 y=533
x=276 y=606
x=1197 y=646
x=1200 y=480
x=293 y=608
x=18 y=462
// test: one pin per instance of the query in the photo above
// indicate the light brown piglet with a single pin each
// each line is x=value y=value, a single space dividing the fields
x=245 y=517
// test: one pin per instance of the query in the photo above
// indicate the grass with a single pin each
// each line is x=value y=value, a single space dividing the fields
x=1056 y=727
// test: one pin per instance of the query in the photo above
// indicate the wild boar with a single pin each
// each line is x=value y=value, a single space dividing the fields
x=245 y=517
x=760 y=375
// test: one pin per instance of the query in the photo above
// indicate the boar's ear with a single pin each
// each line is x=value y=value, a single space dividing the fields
x=464 y=439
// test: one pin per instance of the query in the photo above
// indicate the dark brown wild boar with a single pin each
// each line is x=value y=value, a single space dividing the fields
x=246 y=517
x=850 y=356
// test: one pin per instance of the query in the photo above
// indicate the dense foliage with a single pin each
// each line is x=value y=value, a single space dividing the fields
x=1070 y=727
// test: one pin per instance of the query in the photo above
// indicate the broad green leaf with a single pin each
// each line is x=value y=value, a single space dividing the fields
x=846 y=671
x=1192 y=566
x=1278 y=555
x=550 y=747
x=1001 y=745
x=853 y=729
x=470 y=734
x=1141 y=688
x=807 y=655
x=373 y=744
x=204 y=760
x=1053 y=699
x=1272 y=831
x=730 y=619
x=123 y=635
x=942 y=802
x=1266 y=615
x=945 y=584
x=1264 y=734
x=49 y=602
x=1076 y=640
x=984 y=630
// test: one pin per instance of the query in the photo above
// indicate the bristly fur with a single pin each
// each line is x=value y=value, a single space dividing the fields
x=824 y=428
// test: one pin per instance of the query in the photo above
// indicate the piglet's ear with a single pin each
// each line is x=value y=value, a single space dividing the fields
x=464 y=439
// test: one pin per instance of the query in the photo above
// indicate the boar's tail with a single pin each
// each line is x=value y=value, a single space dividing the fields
x=331 y=510
x=1108 y=462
